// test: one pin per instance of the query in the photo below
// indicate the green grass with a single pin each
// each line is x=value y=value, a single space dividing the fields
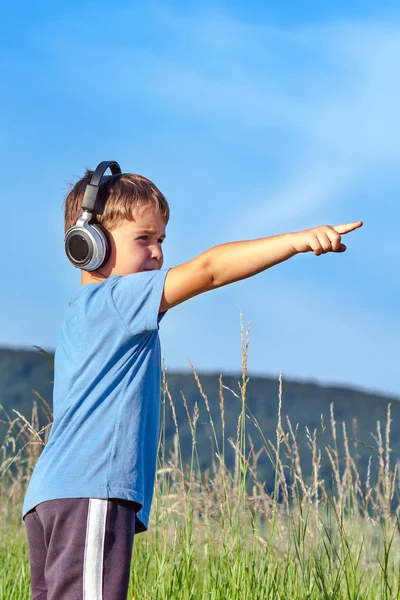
x=218 y=535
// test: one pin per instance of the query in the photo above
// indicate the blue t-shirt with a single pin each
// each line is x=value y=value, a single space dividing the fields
x=106 y=399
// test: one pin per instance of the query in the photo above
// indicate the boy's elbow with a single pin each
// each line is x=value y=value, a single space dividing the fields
x=216 y=273
x=208 y=271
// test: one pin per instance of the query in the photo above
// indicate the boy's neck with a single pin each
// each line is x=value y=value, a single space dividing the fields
x=92 y=277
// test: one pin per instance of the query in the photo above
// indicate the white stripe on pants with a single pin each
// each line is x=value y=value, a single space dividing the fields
x=94 y=549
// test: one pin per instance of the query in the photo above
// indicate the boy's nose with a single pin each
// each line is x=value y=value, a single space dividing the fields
x=156 y=252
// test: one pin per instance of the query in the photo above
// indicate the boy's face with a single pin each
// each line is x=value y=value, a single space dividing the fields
x=136 y=245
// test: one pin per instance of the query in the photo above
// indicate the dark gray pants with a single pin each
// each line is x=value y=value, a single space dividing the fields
x=81 y=548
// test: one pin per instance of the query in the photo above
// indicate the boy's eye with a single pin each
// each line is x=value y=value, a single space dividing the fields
x=146 y=237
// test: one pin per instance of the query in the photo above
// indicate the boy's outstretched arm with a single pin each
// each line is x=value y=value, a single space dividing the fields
x=233 y=261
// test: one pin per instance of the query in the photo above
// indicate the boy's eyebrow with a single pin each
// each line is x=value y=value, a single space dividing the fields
x=152 y=232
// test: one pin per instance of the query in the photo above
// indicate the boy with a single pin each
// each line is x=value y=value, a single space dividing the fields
x=92 y=486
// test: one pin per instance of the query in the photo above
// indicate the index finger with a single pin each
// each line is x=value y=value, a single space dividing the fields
x=347 y=227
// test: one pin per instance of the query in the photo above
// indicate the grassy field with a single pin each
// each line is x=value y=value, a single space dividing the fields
x=220 y=535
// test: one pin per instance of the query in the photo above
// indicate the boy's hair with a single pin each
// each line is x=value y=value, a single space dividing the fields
x=116 y=200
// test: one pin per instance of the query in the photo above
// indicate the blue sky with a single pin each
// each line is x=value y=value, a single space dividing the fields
x=254 y=119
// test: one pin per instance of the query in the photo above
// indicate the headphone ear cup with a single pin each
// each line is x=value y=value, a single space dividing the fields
x=79 y=246
x=87 y=246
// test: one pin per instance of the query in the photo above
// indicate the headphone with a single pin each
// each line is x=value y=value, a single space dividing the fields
x=86 y=245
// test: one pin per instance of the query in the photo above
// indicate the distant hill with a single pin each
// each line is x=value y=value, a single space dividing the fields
x=23 y=372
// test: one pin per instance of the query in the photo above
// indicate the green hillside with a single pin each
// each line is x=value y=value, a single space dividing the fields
x=27 y=374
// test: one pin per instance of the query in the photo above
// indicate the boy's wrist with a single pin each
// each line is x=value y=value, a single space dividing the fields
x=292 y=237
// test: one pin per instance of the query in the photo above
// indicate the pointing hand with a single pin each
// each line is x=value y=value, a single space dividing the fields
x=323 y=239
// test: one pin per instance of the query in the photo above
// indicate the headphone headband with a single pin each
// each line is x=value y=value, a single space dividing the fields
x=93 y=186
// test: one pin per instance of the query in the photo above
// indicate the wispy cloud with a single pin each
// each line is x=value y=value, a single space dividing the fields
x=347 y=128
x=331 y=92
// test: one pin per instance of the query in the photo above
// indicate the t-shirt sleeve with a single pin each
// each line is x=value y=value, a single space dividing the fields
x=136 y=298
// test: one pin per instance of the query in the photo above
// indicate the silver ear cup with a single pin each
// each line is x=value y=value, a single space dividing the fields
x=86 y=244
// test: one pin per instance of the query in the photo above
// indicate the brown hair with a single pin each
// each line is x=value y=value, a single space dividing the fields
x=116 y=200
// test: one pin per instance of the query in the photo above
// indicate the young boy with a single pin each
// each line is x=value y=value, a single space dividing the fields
x=92 y=486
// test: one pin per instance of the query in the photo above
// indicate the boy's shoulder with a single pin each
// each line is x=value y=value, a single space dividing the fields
x=133 y=299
